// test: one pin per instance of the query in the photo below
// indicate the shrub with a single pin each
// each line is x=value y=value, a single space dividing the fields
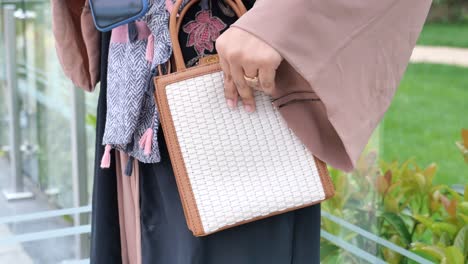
x=400 y=203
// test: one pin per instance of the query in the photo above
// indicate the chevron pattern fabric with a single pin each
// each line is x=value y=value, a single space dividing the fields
x=149 y=117
x=128 y=77
x=130 y=105
x=157 y=19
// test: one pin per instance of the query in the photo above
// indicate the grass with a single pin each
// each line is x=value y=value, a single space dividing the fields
x=426 y=118
x=444 y=34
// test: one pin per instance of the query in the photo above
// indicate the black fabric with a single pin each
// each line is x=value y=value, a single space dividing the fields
x=189 y=53
x=289 y=238
x=105 y=232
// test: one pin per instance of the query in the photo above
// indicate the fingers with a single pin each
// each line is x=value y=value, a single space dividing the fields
x=266 y=77
x=245 y=92
x=235 y=85
x=243 y=54
x=230 y=90
x=251 y=71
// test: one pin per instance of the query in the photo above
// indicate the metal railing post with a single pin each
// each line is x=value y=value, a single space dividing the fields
x=79 y=167
x=16 y=190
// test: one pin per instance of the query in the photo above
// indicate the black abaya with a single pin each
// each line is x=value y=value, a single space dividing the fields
x=289 y=238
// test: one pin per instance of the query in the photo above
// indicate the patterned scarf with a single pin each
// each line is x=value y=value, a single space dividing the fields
x=135 y=52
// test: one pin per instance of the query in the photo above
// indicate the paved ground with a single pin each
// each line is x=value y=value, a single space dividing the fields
x=49 y=251
x=441 y=55
x=13 y=253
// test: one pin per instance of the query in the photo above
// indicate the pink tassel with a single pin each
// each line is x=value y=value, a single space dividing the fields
x=105 y=161
x=148 y=142
x=142 y=141
x=150 y=48
x=169 y=5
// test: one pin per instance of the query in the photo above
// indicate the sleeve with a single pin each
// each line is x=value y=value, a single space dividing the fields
x=352 y=54
x=76 y=42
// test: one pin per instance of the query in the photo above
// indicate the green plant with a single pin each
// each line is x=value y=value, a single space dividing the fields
x=400 y=202
x=352 y=202
x=427 y=134
x=425 y=218
x=91 y=120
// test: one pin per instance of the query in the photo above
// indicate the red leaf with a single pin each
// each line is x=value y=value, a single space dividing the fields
x=465 y=137
x=388 y=177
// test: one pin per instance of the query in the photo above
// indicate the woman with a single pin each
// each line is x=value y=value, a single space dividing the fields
x=350 y=54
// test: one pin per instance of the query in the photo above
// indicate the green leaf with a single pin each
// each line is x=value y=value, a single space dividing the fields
x=91 y=120
x=328 y=250
x=452 y=256
x=463 y=207
x=399 y=225
x=391 y=256
x=420 y=229
x=461 y=240
x=424 y=220
x=420 y=181
x=391 y=204
x=466 y=193
x=434 y=252
x=464 y=218
x=440 y=228
x=444 y=240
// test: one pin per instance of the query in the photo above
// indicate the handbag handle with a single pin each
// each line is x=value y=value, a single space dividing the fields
x=175 y=22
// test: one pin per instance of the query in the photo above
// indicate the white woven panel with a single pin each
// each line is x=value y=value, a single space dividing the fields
x=240 y=165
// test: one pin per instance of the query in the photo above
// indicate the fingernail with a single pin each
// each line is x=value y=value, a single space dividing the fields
x=249 y=108
x=266 y=85
x=230 y=103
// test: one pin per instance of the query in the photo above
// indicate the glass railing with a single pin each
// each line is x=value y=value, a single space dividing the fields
x=46 y=192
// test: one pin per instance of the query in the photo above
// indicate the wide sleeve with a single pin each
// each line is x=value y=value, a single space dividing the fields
x=352 y=54
x=77 y=42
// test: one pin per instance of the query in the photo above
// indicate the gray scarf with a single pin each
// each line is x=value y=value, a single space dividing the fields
x=132 y=118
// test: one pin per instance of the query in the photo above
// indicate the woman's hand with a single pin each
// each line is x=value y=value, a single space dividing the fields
x=248 y=63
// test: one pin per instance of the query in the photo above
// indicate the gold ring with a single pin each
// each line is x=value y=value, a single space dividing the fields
x=251 y=81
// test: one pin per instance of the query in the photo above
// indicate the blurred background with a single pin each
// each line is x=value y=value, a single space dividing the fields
x=406 y=202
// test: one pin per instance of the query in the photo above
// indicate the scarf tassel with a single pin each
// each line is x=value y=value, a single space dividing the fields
x=150 y=48
x=146 y=141
x=106 y=159
x=129 y=166
x=132 y=32
x=169 y=5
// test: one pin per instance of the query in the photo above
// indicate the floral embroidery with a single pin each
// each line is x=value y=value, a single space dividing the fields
x=203 y=31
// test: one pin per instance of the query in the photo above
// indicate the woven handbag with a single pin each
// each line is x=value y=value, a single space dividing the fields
x=231 y=167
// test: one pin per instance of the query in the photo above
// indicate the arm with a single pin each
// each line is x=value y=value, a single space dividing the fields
x=352 y=54
x=77 y=42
